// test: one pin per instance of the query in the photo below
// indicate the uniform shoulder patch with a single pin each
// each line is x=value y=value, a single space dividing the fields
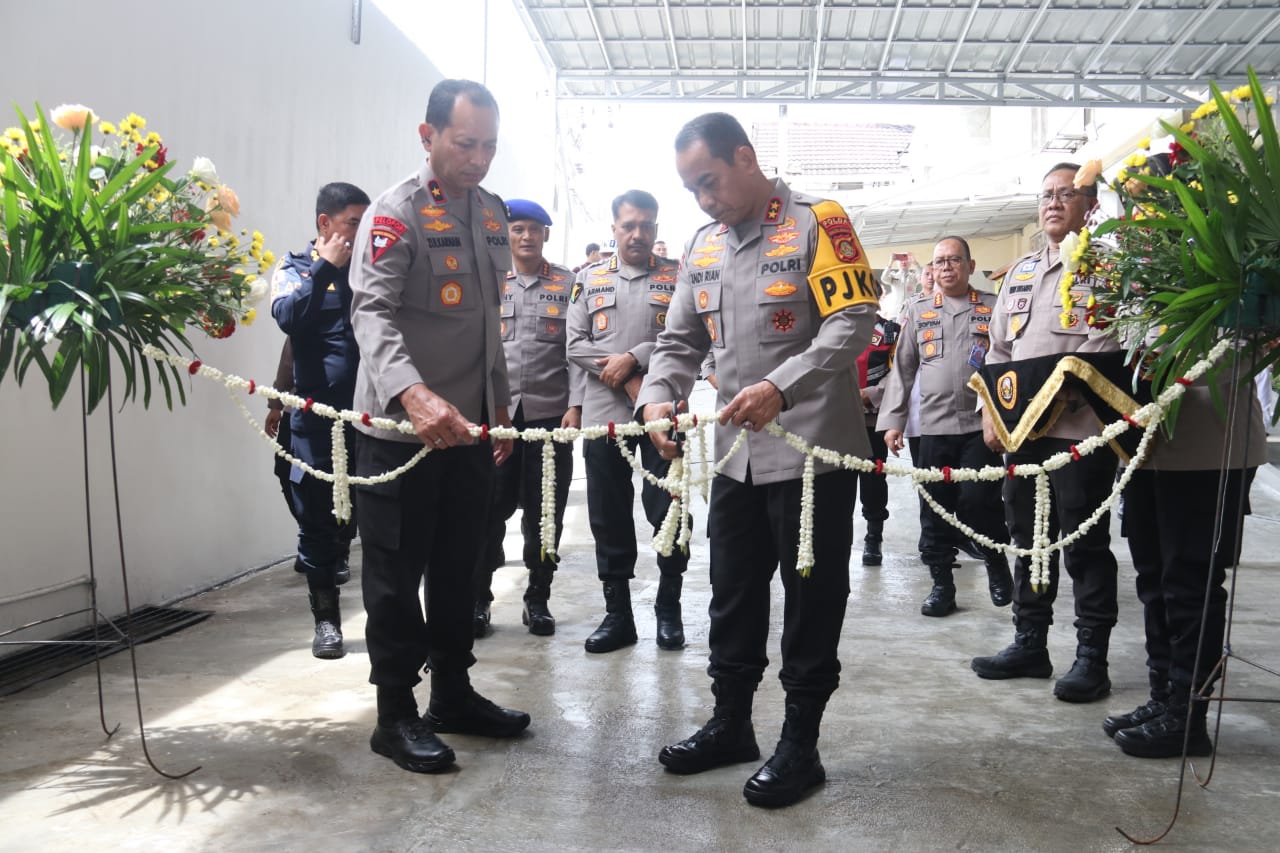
x=839 y=275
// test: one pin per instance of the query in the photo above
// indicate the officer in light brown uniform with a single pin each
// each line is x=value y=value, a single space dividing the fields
x=944 y=340
x=426 y=278
x=618 y=308
x=535 y=308
x=1028 y=323
x=779 y=289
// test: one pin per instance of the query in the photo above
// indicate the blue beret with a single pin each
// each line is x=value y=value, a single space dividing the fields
x=520 y=208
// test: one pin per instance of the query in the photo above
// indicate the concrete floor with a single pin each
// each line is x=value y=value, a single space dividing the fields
x=920 y=753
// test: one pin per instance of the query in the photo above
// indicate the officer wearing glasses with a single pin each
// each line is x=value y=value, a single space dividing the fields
x=944 y=339
x=1029 y=322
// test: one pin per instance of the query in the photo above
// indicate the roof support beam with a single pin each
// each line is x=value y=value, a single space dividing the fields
x=815 y=60
x=1012 y=64
x=671 y=43
x=604 y=49
x=1134 y=7
x=1248 y=48
x=893 y=32
x=964 y=34
x=1159 y=62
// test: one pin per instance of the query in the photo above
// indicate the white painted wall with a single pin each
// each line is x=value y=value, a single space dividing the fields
x=277 y=95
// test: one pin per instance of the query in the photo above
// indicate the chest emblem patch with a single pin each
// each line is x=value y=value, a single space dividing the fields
x=451 y=293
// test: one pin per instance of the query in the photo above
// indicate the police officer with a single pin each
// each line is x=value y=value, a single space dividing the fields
x=535 y=307
x=778 y=287
x=617 y=310
x=1028 y=322
x=873 y=370
x=311 y=301
x=1171 y=507
x=430 y=259
x=944 y=340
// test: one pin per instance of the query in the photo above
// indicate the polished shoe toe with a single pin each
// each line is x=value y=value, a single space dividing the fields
x=475 y=715
x=786 y=777
x=719 y=743
x=411 y=745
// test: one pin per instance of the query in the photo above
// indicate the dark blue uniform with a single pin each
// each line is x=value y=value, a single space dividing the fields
x=311 y=302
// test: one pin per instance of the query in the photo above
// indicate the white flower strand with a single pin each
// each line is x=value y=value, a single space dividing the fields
x=1042 y=557
x=341 y=476
x=1148 y=416
x=548 y=521
x=804 y=558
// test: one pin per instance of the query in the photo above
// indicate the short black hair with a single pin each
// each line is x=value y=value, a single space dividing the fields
x=593 y=247
x=720 y=131
x=337 y=197
x=445 y=95
x=638 y=199
x=964 y=244
x=1092 y=189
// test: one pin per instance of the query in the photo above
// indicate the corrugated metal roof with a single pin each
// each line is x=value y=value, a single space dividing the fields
x=844 y=151
x=1024 y=52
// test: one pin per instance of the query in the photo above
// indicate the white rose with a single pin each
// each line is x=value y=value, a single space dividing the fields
x=204 y=170
x=257 y=290
x=1067 y=251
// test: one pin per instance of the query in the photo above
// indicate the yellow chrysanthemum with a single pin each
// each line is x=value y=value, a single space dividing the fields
x=1232 y=197
x=107 y=127
x=268 y=258
x=1242 y=93
x=1122 y=176
x=255 y=253
x=214 y=242
x=1188 y=127
x=1144 y=143
x=234 y=242
x=137 y=121
x=1135 y=160
x=14 y=133
x=152 y=138
x=257 y=236
x=249 y=317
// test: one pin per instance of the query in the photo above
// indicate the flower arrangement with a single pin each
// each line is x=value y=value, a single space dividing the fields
x=103 y=251
x=1197 y=247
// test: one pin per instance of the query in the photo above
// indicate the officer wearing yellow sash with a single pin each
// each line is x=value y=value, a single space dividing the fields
x=778 y=288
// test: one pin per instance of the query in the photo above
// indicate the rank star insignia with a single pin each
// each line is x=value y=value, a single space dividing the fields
x=437 y=226
x=774 y=211
x=784 y=321
x=437 y=192
x=781 y=251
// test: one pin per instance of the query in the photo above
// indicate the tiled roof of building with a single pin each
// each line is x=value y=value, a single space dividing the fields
x=832 y=149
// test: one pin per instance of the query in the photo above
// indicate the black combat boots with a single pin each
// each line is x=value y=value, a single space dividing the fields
x=727 y=738
x=999 y=579
x=536 y=614
x=1166 y=735
x=795 y=767
x=942 y=598
x=1026 y=657
x=1087 y=681
x=402 y=736
x=871 y=553
x=667 y=610
x=327 y=644
x=1154 y=707
x=619 y=627
x=456 y=707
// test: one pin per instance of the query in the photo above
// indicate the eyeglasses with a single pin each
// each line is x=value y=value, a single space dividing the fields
x=943 y=263
x=1064 y=196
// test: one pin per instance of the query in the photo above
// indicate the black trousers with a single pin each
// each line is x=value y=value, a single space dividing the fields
x=754 y=531
x=1169 y=519
x=323 y=541
x=610 y=505
x=428 y=524
x=1076 y=490
x=875 y=487
x=976 y=502
x=518 y=483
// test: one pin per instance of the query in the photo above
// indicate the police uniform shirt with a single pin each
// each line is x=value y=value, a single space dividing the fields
x=1027 y=323
x=535 y=311
x=310 y=301
x=786 y=297
x=426 y=279
x=616 y=309
x=943 y=341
